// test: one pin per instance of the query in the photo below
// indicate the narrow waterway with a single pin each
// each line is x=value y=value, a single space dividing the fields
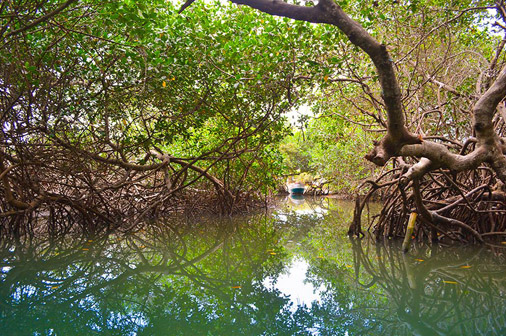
x=291 y=271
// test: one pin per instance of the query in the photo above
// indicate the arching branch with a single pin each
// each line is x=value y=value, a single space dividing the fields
x=329 y=12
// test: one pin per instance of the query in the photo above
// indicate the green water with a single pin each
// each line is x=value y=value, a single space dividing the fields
x=289 y=272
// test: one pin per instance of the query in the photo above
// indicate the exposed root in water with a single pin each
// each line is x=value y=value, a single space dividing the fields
x=466 y=207
x=462 y=202
x=90 y=210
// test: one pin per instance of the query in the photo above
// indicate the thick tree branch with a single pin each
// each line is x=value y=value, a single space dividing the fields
x=398 y=140
x=490 y=146
x=314 y=14
x=440 y=156
x=485 y=109
x=185 y=5
x=418 y=170
x=327 y=11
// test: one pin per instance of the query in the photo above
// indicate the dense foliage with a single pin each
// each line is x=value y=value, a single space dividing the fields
x=433 y=84
x=329 y=152
x=114 y=109
x=430 y=44
x=128 y=107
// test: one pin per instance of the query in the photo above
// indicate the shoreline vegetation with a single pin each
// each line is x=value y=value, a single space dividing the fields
x=115 y=112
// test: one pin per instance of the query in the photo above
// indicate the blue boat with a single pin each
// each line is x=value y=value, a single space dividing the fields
x=296 y=188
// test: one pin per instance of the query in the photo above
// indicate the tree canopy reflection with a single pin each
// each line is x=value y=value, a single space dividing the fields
x=208 y=276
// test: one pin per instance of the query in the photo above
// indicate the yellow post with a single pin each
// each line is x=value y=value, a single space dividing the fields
x=409 y=232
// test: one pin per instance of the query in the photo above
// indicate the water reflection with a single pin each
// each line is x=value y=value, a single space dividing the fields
x=297 y=199
x=291 y=272
x=293 y=284
x=436 y=291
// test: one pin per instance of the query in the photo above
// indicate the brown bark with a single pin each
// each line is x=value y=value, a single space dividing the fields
x=398 y=136
x=398 y=141
x=328 y=12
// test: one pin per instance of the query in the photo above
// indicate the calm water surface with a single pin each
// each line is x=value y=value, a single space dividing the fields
x=290 y=272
